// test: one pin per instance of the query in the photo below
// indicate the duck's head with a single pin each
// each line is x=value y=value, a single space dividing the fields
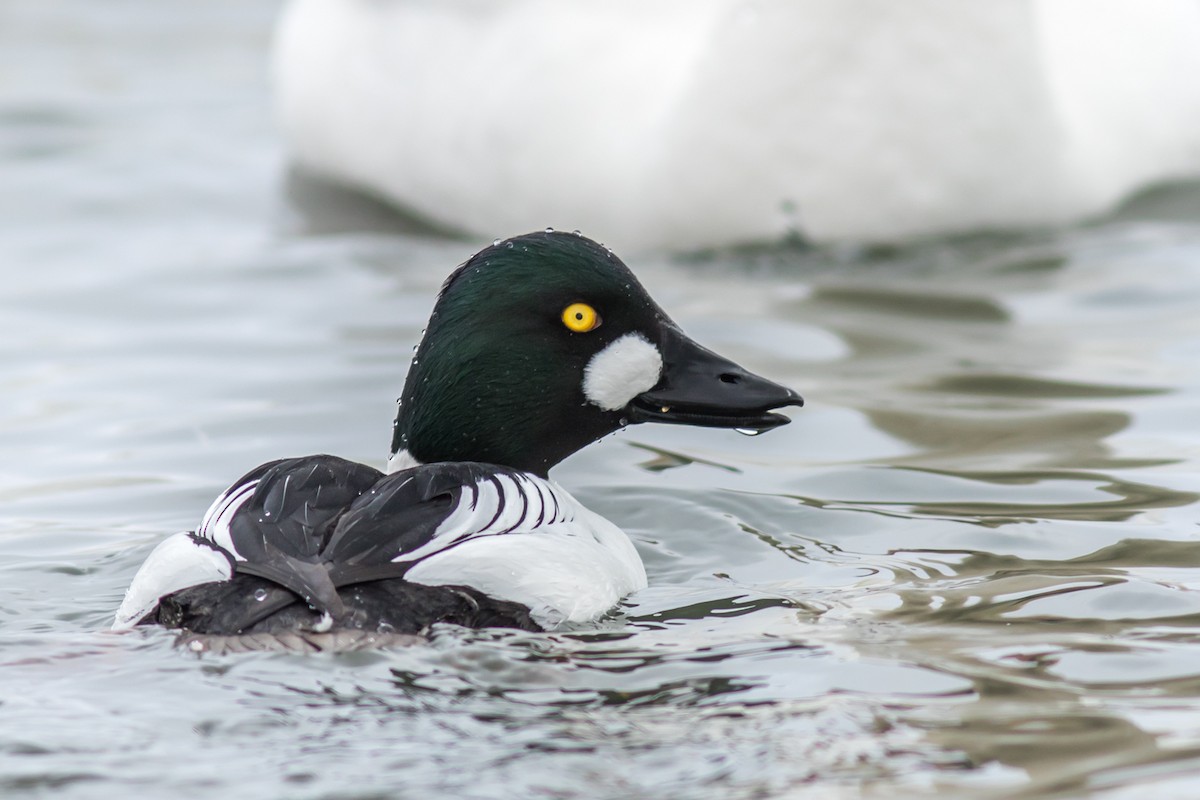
x=546 y=342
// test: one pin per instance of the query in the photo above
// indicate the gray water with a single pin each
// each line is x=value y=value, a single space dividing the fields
x=969 y=567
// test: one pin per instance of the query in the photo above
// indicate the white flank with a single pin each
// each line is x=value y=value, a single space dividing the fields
x=571 y=568
x=620 y=372
x=178 y=562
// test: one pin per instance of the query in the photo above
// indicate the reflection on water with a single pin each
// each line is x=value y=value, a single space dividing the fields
x=1008 y=497
x=970 y=565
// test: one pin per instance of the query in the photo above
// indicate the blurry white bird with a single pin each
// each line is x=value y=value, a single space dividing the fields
x=686 y=123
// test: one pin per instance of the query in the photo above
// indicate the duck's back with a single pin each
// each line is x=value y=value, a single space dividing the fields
x=321 y=543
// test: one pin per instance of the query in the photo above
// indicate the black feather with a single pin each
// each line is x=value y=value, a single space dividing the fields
x=401 y=512
x=378 y=606
x=320 y=534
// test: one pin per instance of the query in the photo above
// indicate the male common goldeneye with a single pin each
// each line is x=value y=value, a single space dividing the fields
x=537 y=346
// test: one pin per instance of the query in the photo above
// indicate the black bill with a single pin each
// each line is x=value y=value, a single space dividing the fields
x=699 y=387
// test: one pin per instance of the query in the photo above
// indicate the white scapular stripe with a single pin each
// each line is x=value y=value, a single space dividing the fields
x=215 y=525
x=498 y=504
x=177 y=562
x=621 y=371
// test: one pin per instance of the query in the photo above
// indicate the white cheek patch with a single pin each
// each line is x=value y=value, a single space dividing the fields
x=620 y=372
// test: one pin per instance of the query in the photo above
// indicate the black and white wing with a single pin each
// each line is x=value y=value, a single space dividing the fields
x=272 y=522
x=418 y=512
x=325 y=535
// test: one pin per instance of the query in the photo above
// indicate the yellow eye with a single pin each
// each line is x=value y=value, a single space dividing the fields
x=580 y=317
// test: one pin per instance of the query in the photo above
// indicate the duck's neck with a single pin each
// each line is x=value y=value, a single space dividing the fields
x=480 y=410
x=400 y=459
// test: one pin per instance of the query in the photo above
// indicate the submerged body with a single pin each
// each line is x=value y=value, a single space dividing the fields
x=536 y=347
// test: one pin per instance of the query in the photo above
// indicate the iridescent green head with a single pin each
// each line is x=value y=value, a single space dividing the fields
x=543 y=343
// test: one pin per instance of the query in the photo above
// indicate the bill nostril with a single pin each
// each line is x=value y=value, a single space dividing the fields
x=729 y=377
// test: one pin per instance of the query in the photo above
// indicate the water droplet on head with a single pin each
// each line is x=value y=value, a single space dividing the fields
x=623 y=422
x=260 y=594
x=577 y=232
x=496 y=242
x=549 y=229
x=385 y=627
x=749 y=431
x=510 y=245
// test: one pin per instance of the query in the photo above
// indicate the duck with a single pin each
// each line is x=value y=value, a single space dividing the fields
x=536 y=346
x=729 y=122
